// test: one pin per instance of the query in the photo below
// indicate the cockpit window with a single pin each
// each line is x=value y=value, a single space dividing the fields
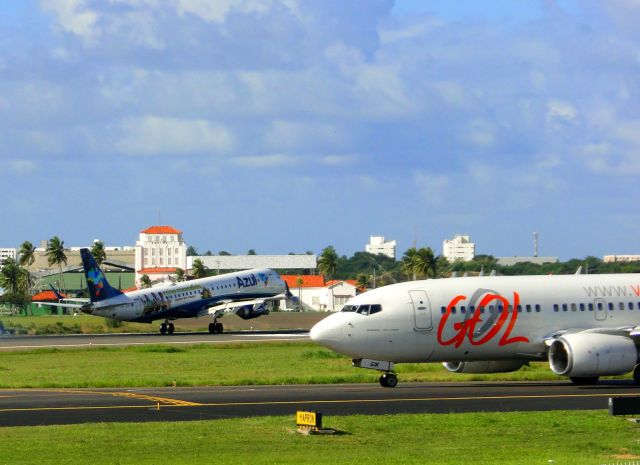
x=375 y=309
x=363 y=309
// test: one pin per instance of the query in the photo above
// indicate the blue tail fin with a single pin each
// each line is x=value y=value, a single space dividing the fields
x=55 y=291
x=99 y=287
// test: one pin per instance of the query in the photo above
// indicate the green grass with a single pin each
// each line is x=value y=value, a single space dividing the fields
x=572 y=437
x=204 y=365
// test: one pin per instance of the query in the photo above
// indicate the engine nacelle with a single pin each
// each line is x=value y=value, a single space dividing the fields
x=591 y=354
x=489 y=366
x=247 y=312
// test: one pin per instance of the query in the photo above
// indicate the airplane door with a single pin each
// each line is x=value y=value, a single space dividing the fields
x=600 y=309
x=421 y=311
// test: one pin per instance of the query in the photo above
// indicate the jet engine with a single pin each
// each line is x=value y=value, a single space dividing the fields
x=247 y=312
x=583 y=355
x=489 y=366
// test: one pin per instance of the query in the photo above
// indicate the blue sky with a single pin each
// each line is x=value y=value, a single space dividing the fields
x=289 y=125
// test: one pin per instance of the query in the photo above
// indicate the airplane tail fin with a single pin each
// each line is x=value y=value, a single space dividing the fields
x=292 y=300
x=55 y=291
x=99 y=287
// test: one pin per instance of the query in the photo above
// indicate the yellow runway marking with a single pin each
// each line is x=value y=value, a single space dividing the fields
x=162 y=400
x=178 y=403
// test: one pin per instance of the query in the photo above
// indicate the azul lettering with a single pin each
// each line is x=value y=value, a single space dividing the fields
x=467 y=329
x=247 y=281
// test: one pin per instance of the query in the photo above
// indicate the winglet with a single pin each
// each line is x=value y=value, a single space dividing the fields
x=58 y=295
x=99 y=287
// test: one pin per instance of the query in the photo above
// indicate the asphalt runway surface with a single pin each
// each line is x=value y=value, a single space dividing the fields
x=66 y=406
x=106 y=340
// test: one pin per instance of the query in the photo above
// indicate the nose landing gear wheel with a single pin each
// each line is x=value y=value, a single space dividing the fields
x=170 y=328
x=163 y=328
x=389 y=380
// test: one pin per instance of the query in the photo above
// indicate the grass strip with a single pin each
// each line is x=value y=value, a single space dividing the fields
x=560 y=437
x=208 y=365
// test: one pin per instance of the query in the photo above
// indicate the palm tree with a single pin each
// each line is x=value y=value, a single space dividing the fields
x=15 y=280
x=98 y=252
x=27 y=254
x=180 y=275
x=407 y=263
x=145 y=281
x=56 y=255
x=299 y=283
x=419 y=263
x=362 y=280
x=424 y=263
x=199 y=270
x=327 y=264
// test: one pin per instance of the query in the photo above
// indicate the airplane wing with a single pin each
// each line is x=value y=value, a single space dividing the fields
x=245 y=309
x=61 y=304
x=629 y=331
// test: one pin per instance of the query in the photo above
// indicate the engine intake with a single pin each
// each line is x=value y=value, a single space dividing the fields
x=488 y=366
x=592 y=354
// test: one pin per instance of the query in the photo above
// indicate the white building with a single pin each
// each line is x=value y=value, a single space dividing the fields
x=377 y=245
x=227 y=263
x=316 y=294
x=459 y=248
x=620 y=258
x=159 y=251
x=8 y=253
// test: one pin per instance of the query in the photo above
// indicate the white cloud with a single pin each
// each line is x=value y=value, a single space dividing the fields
x=23 y=166
x=73 y=16
x=265 y=161
x=153 y=135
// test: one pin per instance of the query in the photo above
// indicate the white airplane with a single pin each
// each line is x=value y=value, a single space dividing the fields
x=586 y=326
x=248 y=294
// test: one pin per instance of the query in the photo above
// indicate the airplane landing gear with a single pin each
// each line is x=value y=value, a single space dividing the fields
x=636 y=374
x=216 y=327
x=166 y=327
x=389 y=380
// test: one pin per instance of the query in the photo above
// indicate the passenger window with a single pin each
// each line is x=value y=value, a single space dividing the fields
x=555 y=307
x=538 y=308
x=472 y=308
x=564 y=307
x=573 y=307
x=453 y=310
x=582 y=307
x=443 y=310
x=528 y=307
x=600 y=307
x=621 y=305
x=519 y=308
x=463 y=309
x=630 y=305
x=590 y=306
x=610 y=306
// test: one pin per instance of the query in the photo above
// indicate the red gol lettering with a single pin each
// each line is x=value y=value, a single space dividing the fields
x=466 y=329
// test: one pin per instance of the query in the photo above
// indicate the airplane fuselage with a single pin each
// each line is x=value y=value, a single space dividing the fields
x=479 y=318
x=188 y=299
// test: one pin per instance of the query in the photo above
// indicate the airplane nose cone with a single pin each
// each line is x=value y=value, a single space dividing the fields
x=325 y=332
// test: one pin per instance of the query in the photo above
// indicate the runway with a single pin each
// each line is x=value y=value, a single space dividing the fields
x=67 y=406
x=107 y=340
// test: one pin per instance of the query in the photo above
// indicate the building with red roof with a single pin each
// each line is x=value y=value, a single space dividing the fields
x=160 y=249
x=317 y=294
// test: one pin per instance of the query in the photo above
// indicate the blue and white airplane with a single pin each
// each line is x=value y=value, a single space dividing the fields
x=586 y=326
x=248 y=294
